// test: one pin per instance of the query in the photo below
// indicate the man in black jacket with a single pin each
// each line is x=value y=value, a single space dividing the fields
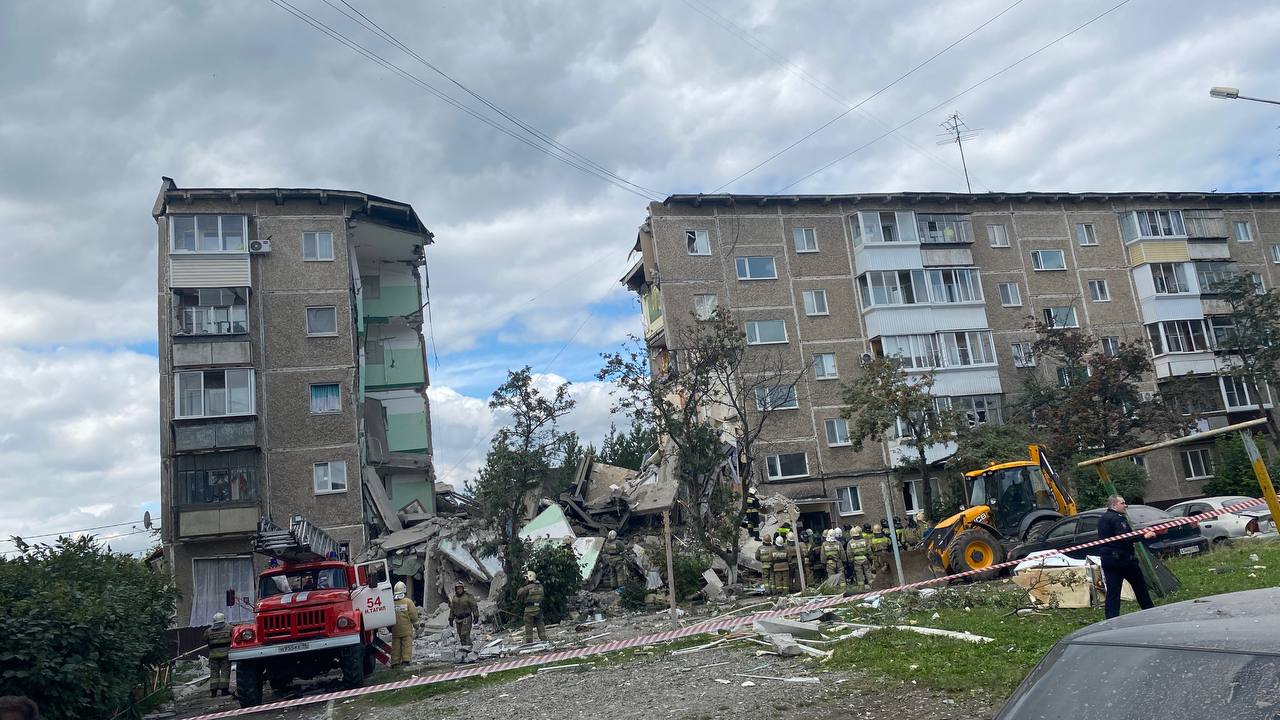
x=1119 y=561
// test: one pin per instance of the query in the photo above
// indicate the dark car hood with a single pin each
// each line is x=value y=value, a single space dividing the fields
x=1246 y=621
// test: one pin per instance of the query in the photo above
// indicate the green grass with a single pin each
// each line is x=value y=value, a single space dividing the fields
x=996 y=668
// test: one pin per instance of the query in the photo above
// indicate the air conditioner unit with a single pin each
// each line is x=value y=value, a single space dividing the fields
x=867 y=357
x=260 y=246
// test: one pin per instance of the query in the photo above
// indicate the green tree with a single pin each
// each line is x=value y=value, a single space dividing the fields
x=82 y=627
x=1129 y=479
x=1232 y=471
x=717 y=382
x=557 y=569
x=521 y=457
x=886 y=401
x=1250 y=346
x=628 y=449
x=987 y=444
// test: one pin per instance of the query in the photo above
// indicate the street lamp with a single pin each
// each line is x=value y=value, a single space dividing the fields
x=1230 y=93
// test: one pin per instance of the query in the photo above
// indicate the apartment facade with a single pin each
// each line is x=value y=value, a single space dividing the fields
x=292 y=376
x=949 y=283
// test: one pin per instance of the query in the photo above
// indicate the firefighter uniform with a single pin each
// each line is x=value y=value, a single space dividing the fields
x=764 y=556
x=530 y=598
x=402 y=633
x=881 y=551
x=462 y=613
x=832 y=558
x=614 y=570
x=781 y=566
x=218 y=638
x=859 y=549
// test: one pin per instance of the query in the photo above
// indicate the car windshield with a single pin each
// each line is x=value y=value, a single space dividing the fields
x=1117 y=682
x=1014 y=490
x=302 y=580
x=1144 y=515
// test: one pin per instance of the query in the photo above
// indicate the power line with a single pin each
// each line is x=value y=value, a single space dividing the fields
x=388 y=65
x=72 y=532
x=834 y=95
x=962 y=93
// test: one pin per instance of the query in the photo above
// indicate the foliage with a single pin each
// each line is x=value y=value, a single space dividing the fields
x=688 y=567
x=883 y=396
x=1129 y=479
x=557 y=570
x=713 y=375
x=520 y=457
x=1092 y=404
x=633 y=596
x=1232 y=471
x=82 y=626
x=628 y=449
x=987 y=444
x=1251 y=348
x=949 y=501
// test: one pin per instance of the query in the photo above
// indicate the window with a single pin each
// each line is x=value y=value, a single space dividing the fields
x=805 y=239
x=704 y=306
x=698 y=242
x=651 y=300
x=1086 y=235
x=1072 y=376
x=326 y=398
x=955 y=285
x=210 y=311
x=889 y=227
x=1238 y=392
x=1170 y=278
x=1222 y=329
x=977 y=409
x=1048 y=260
x=211 y=478
x=1212 y=275
x=893 y=287
x=837 y=432
x=911 y=496
x=1275 y=254
x=317 y=246
x=330 y=477
x=939 y=228
x=1060 y=317
x=962 y=349
x=1010 y=296
x=1111 y=345
x=1022 y=355
x=815 y=302
x=1160 y=223
x=322 y=320
x=778 y=397
x=207 y=233
x=214 y=393
x=1098 y=291
x=1138 y=460
x=850 y=503
x=999 y=235
x=787 y=465
x=1258 y=287
x=1177 y=336
x=1197 y=464
x=824 y=366
x=756 y=268
x=917 y=352
x=1241 y=230
x=766 y=332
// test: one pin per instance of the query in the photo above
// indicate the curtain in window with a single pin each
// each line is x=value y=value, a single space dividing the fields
x=212 y=579
x=324 y=398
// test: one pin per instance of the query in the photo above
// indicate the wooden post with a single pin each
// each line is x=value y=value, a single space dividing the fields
x=795 y=532
x=671 y=574
x=893 y=533
x=1264 y=478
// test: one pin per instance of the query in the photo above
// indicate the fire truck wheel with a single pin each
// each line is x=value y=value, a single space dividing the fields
x=279 y=683
x=248 y=684
x=370 y=660
x=352 y=664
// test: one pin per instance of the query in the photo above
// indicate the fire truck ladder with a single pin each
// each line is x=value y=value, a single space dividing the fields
x=302 y=542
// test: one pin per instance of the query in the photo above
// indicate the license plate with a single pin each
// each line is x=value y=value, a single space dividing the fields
x=1189 y=550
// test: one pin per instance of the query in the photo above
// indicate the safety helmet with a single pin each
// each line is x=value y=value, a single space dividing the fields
x=752 y=491
x=531 y=576
x=920 y=516
x=219 y=618
x=459 y=585
x=877 y=528
x=613 y=534
x=837 y=533
x=866 y=527
x=779 y=541
x=399 y=589
x=884 y=522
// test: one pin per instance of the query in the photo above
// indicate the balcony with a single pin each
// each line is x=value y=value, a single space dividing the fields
x=937 y=229
x=1205 y=224
x=393 y=358
x=191 y=436
x=217 y=521
x=220 y=500
x=901 y=454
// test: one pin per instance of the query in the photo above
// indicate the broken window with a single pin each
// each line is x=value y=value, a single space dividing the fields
x=226 y=477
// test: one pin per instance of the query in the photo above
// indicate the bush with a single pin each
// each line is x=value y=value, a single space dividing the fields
x=82 y=627
x=1232 y=471
x=1129 y=479
x=633 y=596
x=688 y=566
x=557 y=570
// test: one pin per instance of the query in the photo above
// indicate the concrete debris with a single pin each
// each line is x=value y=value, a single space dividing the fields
x=784 y=644
x=438 y=620
x=554 y=668
x=747 y=683
x=818 y=616
x=714 y=589
x=789 y=627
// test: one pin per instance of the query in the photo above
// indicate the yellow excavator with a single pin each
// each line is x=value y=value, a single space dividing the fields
x=1008 y=503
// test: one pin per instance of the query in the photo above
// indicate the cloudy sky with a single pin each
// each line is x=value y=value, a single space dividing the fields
x=102 y=98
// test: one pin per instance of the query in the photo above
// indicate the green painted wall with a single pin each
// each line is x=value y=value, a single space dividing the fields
x=408 y=432
x=408 y=369
x=393 y=301
x=404 y=492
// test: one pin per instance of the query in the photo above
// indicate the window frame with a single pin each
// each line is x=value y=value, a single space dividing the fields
x=1037 y=262
x=203 y=415
x=317 y=235
x=762 y=401
x=1003 y=235
x=1086 y=231
x=312 y=397
x=1015 y=299
x=1246 y=236
x=1050 y=316
x=808 y=234
x=835 y=367
x=715 y=305
x=834 y=423
x=699 y=238
x=805 y=296
x=853 y=494
x=1099 y=284
x=743 y=263
x=222 y=235
x=180 y=312
x=749 y=325
x=1023 y=354
x=307 y=320
x=1110 y=345
x=1205 y=458
x=776 y=459
x=328 y=465
x=1275 y=254
x=1178 y=272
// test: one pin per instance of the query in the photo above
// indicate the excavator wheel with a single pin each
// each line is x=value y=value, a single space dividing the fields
x=975 y=549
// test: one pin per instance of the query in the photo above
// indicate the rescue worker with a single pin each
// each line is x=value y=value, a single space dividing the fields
x=781 y=565
x=923 y=524
x=462 y=613
x=752 y=519
x=218 y=637
x=656 y=599
x=881 y=552
x=530 y=598
x=859 y=549
x=614 y=573
x=813 y=560
x=402 y=632
x=764 y=556
x=833 y=558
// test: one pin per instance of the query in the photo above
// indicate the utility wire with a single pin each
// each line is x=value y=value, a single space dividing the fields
x=387 y=64
x=746 y=35
x=71 y=532
x=369 y=24
x=966 y=91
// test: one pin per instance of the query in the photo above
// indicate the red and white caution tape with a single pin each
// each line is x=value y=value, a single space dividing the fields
x=684 y=632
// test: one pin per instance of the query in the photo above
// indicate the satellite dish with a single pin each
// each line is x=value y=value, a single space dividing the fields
x=146 y=519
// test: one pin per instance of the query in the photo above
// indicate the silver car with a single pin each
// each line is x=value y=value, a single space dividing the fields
x=1252 y=521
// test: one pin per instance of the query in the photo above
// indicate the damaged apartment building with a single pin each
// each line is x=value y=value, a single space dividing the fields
x=293 y=377
x=949 y=282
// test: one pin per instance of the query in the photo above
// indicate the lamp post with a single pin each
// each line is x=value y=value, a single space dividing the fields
x=1230 y=93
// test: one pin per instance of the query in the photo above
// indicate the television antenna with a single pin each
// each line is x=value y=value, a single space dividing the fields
x=954 y=130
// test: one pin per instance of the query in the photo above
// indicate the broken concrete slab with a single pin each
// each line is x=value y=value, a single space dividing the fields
x=784 y=644
x=439 y=619
x=774 y=626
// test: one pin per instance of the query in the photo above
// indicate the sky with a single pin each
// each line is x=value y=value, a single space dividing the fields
x=103 y=97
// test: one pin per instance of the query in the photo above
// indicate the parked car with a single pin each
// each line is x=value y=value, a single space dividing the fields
x=1212 y=657
x=1083 y=528
x=1253 y=521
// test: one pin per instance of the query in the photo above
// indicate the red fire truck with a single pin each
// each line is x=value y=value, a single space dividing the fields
x=314 y=612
